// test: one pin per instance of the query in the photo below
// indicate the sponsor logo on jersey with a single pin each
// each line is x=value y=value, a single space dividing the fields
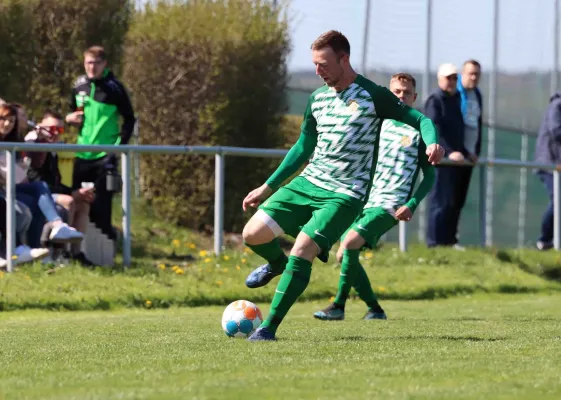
x=406 y=141
x=352 y=105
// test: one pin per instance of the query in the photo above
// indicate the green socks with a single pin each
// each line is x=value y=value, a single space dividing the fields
x=364 y=290
x=292 y=284
x=271 y=252
x=348 y=276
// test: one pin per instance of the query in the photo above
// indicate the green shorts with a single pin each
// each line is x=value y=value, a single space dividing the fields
x=371 y=224
x=301 y=206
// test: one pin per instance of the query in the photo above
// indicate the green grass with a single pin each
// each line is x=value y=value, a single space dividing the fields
x=194 y=277
x=469 y=347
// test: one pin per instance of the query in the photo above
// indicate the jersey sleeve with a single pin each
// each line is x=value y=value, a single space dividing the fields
x=389 y=106
x=429 y=173
x=300 y=152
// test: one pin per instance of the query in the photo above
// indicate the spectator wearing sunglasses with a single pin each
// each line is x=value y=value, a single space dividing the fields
x=36 y=195
x=74 y=203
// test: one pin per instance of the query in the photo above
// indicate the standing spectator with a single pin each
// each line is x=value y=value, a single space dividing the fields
x=98 y=99
x=472 y=109
x=44 y=167
x=451 y=185
x=548 y=151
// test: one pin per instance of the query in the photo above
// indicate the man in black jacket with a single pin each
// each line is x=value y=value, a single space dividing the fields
x=452 y=182
x=98 y=100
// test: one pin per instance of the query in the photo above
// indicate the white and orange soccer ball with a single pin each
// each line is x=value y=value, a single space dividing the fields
x=241 y=318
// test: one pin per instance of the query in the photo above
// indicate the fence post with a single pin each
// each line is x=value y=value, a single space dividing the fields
x=403 y=236
x=218 y=202
x=556 y=209
x=126 y=206
x=10 y=209
x=482 y=204
x=523 y=192
x=136 y=161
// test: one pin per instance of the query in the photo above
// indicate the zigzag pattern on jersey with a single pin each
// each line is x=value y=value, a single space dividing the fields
x=342 y=161
x=397 y=164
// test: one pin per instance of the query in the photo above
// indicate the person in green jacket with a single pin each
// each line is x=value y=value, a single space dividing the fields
x=98 y=100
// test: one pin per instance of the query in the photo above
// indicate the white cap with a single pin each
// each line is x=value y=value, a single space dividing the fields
x=447 y=70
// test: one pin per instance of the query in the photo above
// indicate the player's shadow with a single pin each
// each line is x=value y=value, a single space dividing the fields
x=468 y=338
x=549 y=270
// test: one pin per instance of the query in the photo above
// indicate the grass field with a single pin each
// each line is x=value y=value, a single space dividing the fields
x=485 y=346
x=463 y=325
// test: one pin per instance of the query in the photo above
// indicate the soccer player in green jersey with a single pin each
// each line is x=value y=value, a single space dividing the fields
x=340 y=128
x=400 y=156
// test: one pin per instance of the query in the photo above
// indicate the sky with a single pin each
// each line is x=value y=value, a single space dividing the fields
x=461 y=29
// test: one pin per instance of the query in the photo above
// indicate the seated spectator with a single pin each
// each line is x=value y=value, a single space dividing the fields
x=35 y=194
x=23 y=252
x=44 y=167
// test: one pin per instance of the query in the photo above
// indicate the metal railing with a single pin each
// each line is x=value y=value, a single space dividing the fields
x=220 y=153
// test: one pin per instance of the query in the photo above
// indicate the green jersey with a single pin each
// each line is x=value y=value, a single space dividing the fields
x=341 y=129
x=401 y=154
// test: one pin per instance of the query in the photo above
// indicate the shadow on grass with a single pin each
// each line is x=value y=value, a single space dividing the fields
x=449 y=337
x=550 y=271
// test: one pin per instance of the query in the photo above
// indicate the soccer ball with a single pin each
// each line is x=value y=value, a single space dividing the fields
x=241 y=318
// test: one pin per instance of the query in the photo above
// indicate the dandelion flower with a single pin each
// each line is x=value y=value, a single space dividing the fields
x=162 y=267
x=203 y=253
x=148 y=303
x=208 y=259
x=226 y=258
x=381 y=289
x=244 y=260
x=219 y=283
x=175 y=267
x=176 y=242
x=179 y=271
x=238 y=267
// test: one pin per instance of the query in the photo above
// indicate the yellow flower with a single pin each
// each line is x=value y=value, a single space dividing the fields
x=219 y=283
x=208 y=259
x=244 y=260
x=238 y=267
x=27 y=277
x=175 y=268
x=191 y=245
x=369 y=254
x=148 y=303
x=162 y=267
x=247 y=250
x=226 y=258
x=381 y=289
x=1 y=275
x=203 y=253
x=225 y=270
x=179 y=271
x=176 y=242
x=14 y=257
x=332 y=299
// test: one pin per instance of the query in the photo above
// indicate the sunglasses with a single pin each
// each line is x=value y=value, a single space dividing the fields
x=53 y=130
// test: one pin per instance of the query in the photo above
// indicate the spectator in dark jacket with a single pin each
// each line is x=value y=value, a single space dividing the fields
x=75 y=204
x=548 y=151
x=452 y=182
x=472 y=107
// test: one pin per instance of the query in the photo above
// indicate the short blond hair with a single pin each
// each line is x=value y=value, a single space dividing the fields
x=404 y=77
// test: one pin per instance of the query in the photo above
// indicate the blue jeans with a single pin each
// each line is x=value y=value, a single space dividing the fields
x=37 y=196
x=547 y=219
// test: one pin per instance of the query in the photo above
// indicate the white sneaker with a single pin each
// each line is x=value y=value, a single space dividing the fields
x=63 y=233
x=27 y=254
x=459 y=247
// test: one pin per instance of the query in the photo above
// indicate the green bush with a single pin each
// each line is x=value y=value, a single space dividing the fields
x=42 y=44
x=207 y=73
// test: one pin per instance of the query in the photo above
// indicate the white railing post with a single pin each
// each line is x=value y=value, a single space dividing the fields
x=218 y=202
x=556 y=209
x=10 y=208
x=403 y=236
x=126 y=206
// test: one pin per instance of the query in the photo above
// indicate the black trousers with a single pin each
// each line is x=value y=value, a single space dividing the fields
x=447 y=199
x=95 y=171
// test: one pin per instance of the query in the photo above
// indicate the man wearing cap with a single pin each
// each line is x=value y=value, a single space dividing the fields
x=452 y=182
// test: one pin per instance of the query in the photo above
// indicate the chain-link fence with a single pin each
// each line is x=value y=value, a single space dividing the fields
x=516 y=42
